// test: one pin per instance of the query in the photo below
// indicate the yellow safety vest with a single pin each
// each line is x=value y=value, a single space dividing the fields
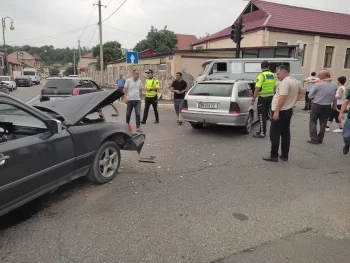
x=266 y=82
x=152 y=83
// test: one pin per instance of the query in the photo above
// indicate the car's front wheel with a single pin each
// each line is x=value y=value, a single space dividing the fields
x=106 y=163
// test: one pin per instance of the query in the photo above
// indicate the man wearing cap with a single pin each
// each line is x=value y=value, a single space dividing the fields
x=264 y=88
x=151 y=86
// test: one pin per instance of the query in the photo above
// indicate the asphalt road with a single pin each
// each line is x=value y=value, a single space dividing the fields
x=208 y=198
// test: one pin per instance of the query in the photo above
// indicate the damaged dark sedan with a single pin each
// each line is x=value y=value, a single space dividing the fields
x=49 y=144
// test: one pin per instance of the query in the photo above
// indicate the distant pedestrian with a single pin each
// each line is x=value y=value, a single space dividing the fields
x=264 y=88
x=120 y=84
x=323 y=96
x=151 y=86
x=346 y=131
x=340 y=96
x=310 y=82
x=179 y=87
x=132 y=98
x=288 y=92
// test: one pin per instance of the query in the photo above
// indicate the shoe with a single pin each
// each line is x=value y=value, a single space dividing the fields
x=338 y=130
x=139 y=130
x=180 y=122
x=313 y=142
x=143 y=122
x=157 y=121
x=304 y=109
x=283 y=158
x=327 y=130
x=270 y=159
x=346 y=149
x=260 y=136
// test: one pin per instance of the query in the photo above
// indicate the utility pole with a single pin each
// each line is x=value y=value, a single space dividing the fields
x=74 y=60
x=79 y=54
x=101 y=45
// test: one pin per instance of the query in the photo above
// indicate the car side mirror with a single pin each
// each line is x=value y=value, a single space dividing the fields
x=55 y=126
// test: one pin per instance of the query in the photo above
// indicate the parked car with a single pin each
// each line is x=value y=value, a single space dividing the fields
x=58 y=88
x=221 y=103
x=4 y=88
x=9 y=82
x=47 y=145
x=23 y=81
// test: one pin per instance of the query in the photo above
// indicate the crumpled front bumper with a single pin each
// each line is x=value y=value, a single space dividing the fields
x=135 y=143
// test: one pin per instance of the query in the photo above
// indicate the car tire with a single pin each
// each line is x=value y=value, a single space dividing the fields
x=197 y=125
x=249 y=123
x=106 y=164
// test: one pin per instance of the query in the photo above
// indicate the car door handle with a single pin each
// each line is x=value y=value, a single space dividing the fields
x=3 y=159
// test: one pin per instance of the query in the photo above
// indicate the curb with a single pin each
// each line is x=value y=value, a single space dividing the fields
x=160 y=106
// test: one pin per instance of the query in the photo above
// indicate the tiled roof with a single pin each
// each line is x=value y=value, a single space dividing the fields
x=13 y=61
x=185 y=41
x=88 y=55
x=286 y=17
x=36 y=57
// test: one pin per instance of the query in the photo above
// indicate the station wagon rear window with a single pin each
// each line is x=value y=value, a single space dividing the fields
x=212 y=89
x=255 y=67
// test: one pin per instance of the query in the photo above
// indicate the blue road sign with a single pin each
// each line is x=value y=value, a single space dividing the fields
x=132 y=57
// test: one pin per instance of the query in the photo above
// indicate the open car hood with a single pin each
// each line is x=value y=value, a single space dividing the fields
x=76 y=108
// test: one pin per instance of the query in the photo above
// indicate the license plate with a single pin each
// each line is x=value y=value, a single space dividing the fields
x=206 y=105
x=56 y=98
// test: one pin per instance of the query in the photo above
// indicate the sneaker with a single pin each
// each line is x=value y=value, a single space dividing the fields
x=260 y=136
x=139 y=130
x=180 y=122
x=327 y=129
x=338 y=130
x=143 y=122
x=157 y=121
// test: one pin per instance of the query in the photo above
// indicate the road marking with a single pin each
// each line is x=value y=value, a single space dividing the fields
x=33 y=99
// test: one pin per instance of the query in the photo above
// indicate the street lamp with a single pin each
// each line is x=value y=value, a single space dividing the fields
x=3 y=20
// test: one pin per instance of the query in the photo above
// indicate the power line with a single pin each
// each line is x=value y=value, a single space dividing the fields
x=93 y=35
x=115 y=11
x=90 y=16
x=125 y=31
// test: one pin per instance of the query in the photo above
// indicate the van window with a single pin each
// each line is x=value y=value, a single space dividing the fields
x=212 y=89
x=255 y=67
x=205 y=67
x=29 y=73
x=244 y=91
x=219 y=67
x=236 y=67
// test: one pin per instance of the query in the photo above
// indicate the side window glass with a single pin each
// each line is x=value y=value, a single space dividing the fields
x=16 y=123
x=86 y=84
x=94 y=85
x=244 y=91
x=220 y=67
x=274 y=65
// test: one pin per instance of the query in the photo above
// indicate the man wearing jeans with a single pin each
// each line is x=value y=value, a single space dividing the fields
x=120 y=83
x=287 y=94
x=132 y=98
x=179 y=87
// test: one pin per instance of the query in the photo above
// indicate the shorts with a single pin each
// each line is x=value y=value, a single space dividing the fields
x=178 y=104
x=335 y=115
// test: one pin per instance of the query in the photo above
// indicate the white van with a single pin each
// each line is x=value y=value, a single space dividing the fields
x=33 y=74
x=246 y=68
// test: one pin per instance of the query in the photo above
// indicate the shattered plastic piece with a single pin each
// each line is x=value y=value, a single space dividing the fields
x=146 y=160
x=204 y=161
x=159 y=167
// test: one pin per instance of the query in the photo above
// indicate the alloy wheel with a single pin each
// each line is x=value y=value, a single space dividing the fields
x=108 y=164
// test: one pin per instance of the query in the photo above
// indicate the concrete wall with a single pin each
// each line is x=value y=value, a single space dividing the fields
x=84 y=62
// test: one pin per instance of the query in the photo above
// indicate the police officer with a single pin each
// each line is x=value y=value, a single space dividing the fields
x=151 y=86
x=264 y=88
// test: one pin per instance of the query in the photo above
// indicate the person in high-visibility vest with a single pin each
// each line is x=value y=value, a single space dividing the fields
x=264 y=88
x=151 y=86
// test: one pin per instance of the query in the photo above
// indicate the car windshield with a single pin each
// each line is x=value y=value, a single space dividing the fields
x=212 y=89
x=29 y=73
x=62 y=83
x=4 y=78
x=205 y=67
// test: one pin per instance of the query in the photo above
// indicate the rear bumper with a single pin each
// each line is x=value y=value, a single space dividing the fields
x=47 y=97
x=135 y=143
x=214 y=118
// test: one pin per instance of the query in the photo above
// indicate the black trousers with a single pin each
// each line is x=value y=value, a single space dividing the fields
x=264 y=105
x=280 y=131
x=307 y=101
x=148 y=102
x=319 y=113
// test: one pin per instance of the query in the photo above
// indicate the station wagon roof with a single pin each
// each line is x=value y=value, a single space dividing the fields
x=73 y=78
x=226 y=81
x=253 y=59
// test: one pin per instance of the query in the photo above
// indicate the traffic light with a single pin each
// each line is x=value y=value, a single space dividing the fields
x=237 y=31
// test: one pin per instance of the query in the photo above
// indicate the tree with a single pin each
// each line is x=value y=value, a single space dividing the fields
x=54 y=71
x=205 y=35
x=160 y=40
x=111 y=53
x=70 y=71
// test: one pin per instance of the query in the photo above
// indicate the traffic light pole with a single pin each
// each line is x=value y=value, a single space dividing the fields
x=238 y=44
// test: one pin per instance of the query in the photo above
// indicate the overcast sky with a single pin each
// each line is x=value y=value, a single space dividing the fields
x=46 y=22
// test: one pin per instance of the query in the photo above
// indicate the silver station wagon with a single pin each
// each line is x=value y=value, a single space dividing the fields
x=223 y=102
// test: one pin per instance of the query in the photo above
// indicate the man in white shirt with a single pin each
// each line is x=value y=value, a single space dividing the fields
x=287 y=94
x=132 y=97
x=310 y=81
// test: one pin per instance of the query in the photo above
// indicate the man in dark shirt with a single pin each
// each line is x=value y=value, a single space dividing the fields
x=346 y=129
x=179 y=87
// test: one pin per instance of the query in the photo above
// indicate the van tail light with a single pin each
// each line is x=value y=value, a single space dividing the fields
x=75 y=92
x=130 y=128
x=234 y=108
x=185 y=106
